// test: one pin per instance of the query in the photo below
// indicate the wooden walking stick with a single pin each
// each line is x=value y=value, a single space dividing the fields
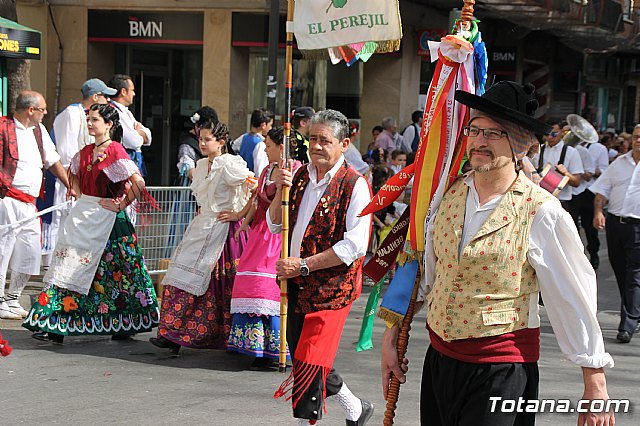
x=403 y=338
x=401 y=347
x=285 y=191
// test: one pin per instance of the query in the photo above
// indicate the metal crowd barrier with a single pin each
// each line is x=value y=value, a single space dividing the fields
x=160 y=231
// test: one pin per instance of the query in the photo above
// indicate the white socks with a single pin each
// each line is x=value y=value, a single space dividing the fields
x=350 y=403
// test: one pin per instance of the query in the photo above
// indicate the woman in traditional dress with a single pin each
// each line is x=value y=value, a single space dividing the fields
x=195 y=309
x=97 y=282
x=255 y=302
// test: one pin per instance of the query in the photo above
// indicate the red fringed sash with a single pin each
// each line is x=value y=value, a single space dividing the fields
x=316 y=351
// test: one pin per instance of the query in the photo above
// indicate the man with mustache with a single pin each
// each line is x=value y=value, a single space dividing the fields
x=495 y=243
x=328 y=241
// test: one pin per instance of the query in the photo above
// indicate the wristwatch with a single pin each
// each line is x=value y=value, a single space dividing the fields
x=304 y=269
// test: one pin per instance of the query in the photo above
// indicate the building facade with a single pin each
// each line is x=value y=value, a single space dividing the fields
x=214 y=52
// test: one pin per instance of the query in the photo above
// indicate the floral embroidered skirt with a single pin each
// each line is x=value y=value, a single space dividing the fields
x=120 y=301
x=256 y=335
x=204 y=322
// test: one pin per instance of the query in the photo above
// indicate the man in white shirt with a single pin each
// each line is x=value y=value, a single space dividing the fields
x=327 y=248
x=496 y=242
x=581 y=204
x=134 y=134
x=619 y=187
x=30 y=149
x=565 y=159
x=70 y=135
x=411 y=135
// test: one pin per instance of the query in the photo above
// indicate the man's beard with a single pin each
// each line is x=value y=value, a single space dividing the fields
x=485 y=168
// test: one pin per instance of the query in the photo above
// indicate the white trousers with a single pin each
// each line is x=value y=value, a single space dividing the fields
x=19 y=246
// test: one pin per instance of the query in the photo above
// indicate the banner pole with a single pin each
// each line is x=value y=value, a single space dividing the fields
x=285 y=191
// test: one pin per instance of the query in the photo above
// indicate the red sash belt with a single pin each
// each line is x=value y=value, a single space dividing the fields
x=21 y=196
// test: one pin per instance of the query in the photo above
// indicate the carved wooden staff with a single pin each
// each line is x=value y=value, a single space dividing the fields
x=285 y=191
x=403 y=338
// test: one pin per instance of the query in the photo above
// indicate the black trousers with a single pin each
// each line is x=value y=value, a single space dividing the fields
x=456 y=393
x=623 y=245
x=311 y=404
x=580 y=207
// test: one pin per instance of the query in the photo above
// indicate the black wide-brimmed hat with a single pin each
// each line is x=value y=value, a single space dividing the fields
x=510 y=101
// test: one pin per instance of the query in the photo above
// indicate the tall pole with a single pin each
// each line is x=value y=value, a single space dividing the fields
x=403 y=339
x=274 y=35
x=288 y=85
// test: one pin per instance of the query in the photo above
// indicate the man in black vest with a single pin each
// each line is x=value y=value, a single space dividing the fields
x=328 y=241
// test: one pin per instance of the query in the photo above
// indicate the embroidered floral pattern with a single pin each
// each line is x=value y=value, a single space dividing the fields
x=256 y=335
x=121 y=298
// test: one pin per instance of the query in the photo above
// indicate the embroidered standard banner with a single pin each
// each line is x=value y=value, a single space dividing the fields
x=331 y=23
x=387 y=252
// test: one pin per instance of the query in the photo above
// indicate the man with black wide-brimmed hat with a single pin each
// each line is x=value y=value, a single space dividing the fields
x=496 y=242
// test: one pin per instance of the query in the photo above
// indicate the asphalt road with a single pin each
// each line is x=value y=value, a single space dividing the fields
x=95 y=381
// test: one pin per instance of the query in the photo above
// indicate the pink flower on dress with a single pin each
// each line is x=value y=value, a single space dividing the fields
x=103 y=308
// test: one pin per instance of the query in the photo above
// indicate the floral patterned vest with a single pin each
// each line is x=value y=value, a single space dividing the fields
x=485 y=292
x=336 y=287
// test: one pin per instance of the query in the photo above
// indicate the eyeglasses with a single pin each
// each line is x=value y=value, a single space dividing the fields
x=635 y=137
x=553 y=134
x=489 y=134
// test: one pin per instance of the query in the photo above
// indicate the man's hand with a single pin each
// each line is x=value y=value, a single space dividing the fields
x=282 y=177
x=288 y=268
x=389 y=360
x=598 y=220
x=595 y=388
x=562 y=169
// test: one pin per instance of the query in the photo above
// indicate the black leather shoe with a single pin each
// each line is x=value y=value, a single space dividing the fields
x=624 y=337
x=57 y=339
x=122 y=336
x=367 y=412
x=41 y=335
x=595 y=261
x=163 y=343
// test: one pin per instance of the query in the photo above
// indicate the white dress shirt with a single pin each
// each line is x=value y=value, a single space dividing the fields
x=588 y=166
x=600 y=156
x=71 y=133
x=407 y=137
x=260 y=159
x=620 y=184
x=131 y=139
x=356 y=238
x=28 y=177
x=571 y=161
x=566 y=279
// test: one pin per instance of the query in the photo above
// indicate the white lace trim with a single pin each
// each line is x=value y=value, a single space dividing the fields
x=255 y=306
x=121 y=170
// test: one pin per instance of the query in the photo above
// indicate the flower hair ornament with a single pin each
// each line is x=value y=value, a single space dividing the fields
x=195 y=118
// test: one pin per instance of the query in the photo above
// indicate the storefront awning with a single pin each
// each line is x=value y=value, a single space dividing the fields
x=18 y=41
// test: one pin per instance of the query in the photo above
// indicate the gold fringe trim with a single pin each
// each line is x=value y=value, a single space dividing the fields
x=385 y=46
x=390 y=317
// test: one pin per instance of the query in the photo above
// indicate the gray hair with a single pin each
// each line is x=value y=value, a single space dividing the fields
x=388 y=122
x=27 y=99
x=336 y=120
x=637 y=126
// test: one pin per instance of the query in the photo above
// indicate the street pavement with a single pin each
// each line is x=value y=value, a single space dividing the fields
x=96 y=381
